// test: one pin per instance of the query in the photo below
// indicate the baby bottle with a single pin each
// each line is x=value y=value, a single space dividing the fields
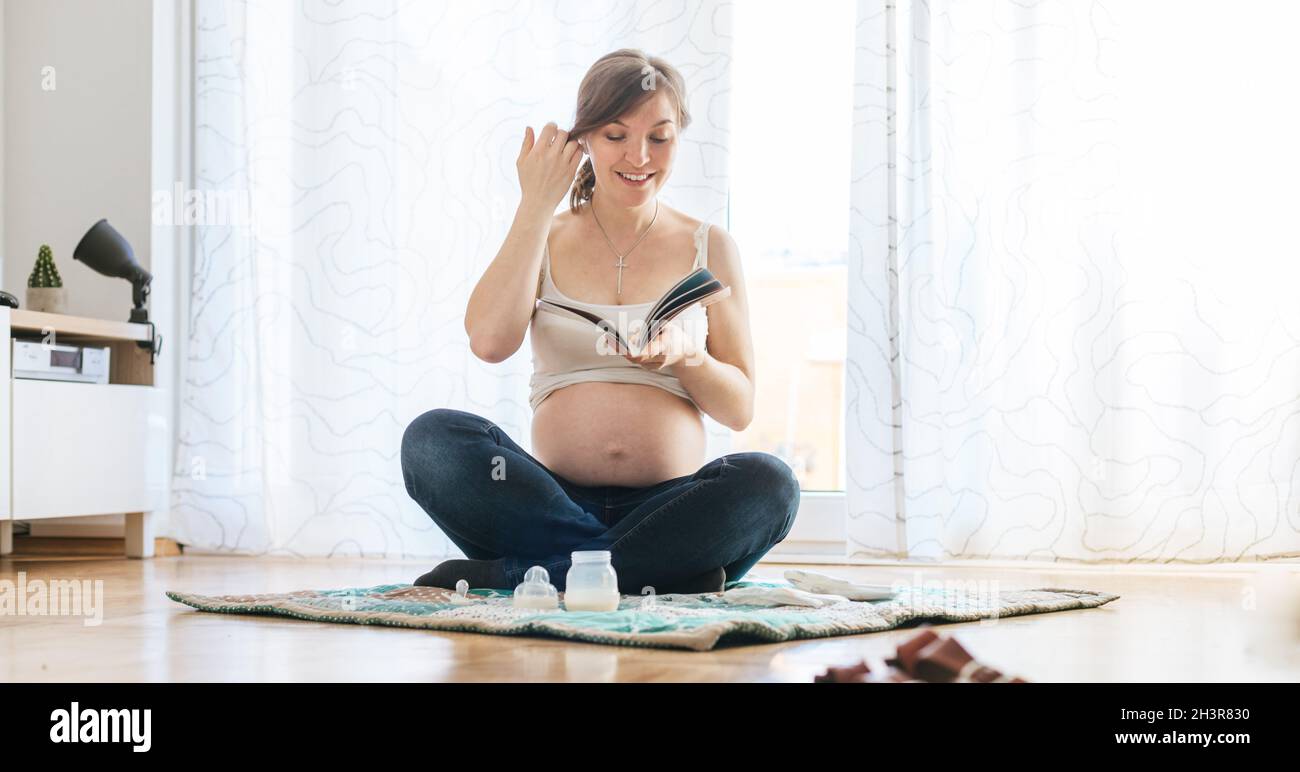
x=591 y=584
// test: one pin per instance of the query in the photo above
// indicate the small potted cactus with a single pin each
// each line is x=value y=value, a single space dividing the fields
x=45 y=287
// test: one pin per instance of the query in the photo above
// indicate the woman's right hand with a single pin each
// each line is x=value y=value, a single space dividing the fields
x=547 y=166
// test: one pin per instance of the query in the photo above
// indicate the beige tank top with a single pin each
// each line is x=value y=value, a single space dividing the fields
x=565 y=349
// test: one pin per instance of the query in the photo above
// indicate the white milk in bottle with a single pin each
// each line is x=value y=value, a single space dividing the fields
x=591 y=584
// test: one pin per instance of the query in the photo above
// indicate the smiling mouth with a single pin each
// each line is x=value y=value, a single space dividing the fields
x=639 y=179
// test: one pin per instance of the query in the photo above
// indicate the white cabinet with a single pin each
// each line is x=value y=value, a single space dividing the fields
x=86 y=449
x=6 y=518
x=76 y=449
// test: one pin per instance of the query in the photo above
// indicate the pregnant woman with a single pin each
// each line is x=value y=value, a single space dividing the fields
x=618 y=441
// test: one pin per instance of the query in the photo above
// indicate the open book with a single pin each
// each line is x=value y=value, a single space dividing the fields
x=699 y=286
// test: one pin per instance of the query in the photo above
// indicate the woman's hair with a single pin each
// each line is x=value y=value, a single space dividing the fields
x=616 y=84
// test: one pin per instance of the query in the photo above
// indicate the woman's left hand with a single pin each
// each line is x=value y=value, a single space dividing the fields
x=670 y=347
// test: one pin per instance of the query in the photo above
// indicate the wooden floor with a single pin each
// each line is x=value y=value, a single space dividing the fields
x=1171 y=624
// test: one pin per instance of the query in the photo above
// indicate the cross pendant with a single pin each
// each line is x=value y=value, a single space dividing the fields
x=620 y=265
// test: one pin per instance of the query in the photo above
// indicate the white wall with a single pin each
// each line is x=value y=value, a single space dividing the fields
x=74 y=154
x=3 y=284
x=81 y=151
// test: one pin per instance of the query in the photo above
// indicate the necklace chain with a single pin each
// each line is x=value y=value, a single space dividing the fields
x=620 y=262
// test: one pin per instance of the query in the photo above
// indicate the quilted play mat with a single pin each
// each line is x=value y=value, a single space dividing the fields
x=692 y=622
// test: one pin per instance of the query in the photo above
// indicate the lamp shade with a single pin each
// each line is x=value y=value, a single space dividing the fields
x=108 y=253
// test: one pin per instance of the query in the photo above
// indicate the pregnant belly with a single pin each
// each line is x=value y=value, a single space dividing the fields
x=625 y=434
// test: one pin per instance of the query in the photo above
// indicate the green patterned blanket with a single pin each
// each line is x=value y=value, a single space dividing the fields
x=692 y=622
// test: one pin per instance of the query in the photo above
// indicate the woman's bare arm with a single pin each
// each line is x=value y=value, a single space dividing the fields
x=502 y=302
x=722 y=380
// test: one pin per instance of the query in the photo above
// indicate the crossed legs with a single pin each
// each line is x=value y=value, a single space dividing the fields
x=496 y=502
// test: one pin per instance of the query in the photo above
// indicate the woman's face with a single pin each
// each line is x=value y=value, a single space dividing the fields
x=642 y=142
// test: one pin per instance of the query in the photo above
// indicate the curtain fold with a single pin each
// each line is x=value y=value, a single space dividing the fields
x=1046 y=361
x=376 y=142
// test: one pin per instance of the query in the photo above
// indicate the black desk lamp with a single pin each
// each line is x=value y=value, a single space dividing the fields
x=108 y=253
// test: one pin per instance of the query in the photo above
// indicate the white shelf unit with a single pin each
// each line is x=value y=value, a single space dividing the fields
x=77 y=449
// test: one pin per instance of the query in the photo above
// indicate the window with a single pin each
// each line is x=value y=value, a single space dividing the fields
x=791 y=123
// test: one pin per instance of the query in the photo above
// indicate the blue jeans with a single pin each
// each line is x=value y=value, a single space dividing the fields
x=495 y=501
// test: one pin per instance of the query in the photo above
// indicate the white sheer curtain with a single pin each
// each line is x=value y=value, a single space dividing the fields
x=377 y=141
x=1074 y=333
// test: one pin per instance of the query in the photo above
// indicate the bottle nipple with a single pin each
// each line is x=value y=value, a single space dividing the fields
x=536 y=592
x=462 y=593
